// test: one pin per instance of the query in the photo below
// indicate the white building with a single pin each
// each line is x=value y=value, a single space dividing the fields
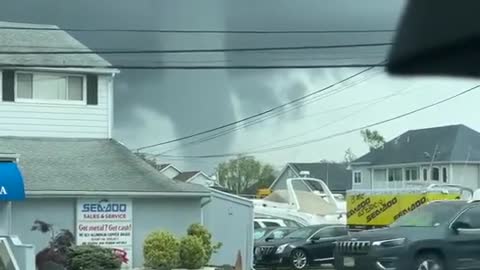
x=56 y=121
x=447 y=154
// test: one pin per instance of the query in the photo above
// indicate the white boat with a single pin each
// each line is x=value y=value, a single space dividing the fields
x=304 y=207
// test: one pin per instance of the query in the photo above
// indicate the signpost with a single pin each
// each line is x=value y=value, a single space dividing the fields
x=106 y=223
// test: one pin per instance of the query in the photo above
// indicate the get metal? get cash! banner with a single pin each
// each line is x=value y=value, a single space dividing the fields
x=106 y=223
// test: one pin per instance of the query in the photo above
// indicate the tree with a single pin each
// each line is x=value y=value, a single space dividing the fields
x=372 y=138
x=349 y=156
x=240 y=173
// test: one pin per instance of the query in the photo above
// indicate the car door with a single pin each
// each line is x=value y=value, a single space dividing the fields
x=322 y=243
x=464 y=243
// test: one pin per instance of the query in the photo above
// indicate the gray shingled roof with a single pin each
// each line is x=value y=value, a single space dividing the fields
x=455 y=143
x=43 y=40
x=185 y=176
x=336 y=175
x=103 y=165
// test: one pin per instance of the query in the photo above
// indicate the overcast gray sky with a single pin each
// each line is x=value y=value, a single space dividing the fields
x=154 y=106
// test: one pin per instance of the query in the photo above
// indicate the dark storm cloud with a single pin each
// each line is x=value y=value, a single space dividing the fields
x=196 y=100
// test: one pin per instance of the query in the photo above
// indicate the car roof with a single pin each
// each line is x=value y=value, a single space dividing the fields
x=319 y=226
x=453 y=202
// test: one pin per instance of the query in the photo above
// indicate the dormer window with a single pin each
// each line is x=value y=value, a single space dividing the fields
x=46 y=87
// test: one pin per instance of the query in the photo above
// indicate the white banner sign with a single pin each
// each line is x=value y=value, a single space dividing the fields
x=107 y=224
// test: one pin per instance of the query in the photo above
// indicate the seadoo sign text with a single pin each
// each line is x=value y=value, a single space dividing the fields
x=106 y=223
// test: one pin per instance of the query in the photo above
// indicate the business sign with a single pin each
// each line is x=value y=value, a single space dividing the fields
x=106 y=223
x=11 y=182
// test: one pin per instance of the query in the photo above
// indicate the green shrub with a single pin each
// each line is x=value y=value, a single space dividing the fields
x=92 y=257
x=161 y=250
x=192 y=253
x=206 y=237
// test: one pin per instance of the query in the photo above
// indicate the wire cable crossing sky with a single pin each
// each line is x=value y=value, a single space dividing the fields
x=258 y=114
x=279 y=148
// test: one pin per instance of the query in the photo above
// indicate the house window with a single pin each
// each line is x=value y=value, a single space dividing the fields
x=444 y=174
x=425 y=174
x=357 y=177
x=435 y=174
x=394 y=174
x=50 y=87
x=411 y=174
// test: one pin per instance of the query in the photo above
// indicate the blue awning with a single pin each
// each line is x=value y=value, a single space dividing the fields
x=11 y=182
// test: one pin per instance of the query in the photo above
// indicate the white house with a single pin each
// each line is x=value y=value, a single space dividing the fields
x=56 y=121
x=169 y=170
x=446 y=154
x=195 y=177
x=335 y=175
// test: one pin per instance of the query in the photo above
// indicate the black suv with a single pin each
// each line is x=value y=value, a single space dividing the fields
x=439 y=235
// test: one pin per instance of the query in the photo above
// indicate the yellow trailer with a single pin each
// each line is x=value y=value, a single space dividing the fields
x=367 y=209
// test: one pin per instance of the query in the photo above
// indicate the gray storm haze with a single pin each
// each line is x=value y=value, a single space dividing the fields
x=157 y=105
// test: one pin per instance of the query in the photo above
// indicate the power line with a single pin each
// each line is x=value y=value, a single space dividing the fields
x=265 y=118
x=311 y=47
x=356 y=112
x=196 y=67
x=198 y=31
x=255 y=115
x=278 y=148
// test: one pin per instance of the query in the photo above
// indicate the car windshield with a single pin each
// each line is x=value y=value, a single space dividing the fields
x=291 y=223
x=301 y=233
x=278 y=233
x=259 y=233
x=429 y=215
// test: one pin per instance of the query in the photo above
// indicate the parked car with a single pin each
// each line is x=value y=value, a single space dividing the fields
x=438 y=235
x=274 y=222
x=269 y=234
x=303 y=247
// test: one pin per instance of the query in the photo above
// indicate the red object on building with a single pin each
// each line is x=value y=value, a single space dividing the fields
x=122 y=254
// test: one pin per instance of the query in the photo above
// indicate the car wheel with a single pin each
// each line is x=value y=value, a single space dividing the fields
x=299 y=259
x=429 y=261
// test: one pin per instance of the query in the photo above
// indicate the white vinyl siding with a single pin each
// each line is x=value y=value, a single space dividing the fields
x=201 y=180
x=170 y=172
x=465 y=174
x=31 y=119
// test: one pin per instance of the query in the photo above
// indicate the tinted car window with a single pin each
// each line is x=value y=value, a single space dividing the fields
x=271 y=224
x=429 y=215
x=329 y=232
x=256 y=225
x=340 y=231
x=471 y=217
x=291 y=223
x=301 y=233
x=278 y=234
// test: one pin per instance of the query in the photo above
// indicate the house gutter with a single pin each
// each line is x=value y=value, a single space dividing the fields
x=202 y=205
x=70 y=194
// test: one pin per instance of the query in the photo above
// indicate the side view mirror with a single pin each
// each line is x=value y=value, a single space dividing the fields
x=457 y=225
x=314 y=239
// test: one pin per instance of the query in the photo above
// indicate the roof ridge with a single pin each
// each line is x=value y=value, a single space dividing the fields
x=28 y=25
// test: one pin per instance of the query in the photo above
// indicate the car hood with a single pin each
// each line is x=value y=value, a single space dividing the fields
x=279 y=242
x=395 y=232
